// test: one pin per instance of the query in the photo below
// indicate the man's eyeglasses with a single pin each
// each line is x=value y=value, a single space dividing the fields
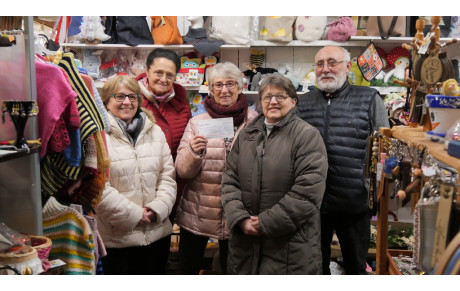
x=220 y=86
x=160 y=74
x=121 y=97
x=280 y=97
x=330 y=64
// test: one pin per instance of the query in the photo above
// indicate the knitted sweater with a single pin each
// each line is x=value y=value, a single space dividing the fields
x=72 y=237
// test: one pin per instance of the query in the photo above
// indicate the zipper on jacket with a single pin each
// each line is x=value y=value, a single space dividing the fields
x=326 y=122
x=259 y=186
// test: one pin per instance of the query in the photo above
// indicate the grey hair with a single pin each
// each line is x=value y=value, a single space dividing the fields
x=226 y=70
x=280 y=81
x=345 y=52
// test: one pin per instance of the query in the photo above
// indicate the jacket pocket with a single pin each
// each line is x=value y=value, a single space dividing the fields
x=303 y=234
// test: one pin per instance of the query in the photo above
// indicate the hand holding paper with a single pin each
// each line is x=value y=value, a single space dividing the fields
x=216 y=128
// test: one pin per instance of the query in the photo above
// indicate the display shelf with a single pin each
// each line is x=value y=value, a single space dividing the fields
x=32 y=150
x=389 y=90
x=353 y=41
x=141 y=46
x=417 y=135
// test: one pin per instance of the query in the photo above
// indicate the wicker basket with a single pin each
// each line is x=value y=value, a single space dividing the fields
x=26 y=263
x=7 y=258
x=42 y=245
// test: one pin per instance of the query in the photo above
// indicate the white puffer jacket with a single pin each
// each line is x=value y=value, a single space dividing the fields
x=140 y=176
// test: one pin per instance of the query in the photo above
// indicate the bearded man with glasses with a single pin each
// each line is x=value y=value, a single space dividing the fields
x=346 y=116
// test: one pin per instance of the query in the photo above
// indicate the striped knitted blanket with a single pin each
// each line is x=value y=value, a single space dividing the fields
x=72 y=237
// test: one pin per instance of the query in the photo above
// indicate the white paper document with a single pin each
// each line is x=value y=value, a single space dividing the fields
x=216 y=128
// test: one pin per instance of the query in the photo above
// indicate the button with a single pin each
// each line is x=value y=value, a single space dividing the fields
x=166 y=129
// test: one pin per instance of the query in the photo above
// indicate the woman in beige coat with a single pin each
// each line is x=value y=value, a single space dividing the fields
x=201 y=162
x=133 y=214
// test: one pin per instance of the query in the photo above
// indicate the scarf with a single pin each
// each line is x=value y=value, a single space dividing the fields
x=238 y=110
x=132 y=129
x=144 y=84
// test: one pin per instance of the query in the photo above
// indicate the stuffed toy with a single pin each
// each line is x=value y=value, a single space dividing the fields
x=210 y=62
x=355 y=77
x=399 y=59
x=399 y=72
x=191 y=63
x=450 y=88
x=196 y=103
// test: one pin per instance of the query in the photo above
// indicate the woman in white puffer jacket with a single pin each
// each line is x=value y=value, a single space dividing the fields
x=133 y=213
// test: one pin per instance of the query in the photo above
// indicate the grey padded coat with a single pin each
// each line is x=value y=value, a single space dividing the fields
x=280 y=178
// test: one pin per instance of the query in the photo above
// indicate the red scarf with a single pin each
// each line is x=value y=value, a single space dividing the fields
x=238 y=110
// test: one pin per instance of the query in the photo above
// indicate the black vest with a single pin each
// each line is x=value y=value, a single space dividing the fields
x=345 y=124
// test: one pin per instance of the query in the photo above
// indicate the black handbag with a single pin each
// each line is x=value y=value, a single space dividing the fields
x=129 y=30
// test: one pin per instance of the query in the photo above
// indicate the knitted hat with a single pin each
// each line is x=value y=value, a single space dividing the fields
x=395 y=54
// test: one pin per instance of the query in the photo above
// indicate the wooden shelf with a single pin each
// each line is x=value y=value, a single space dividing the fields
x=417 y=135
x=33 y=149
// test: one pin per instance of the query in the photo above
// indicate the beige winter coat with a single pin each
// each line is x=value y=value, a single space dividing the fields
x=200 y=208
x=140 y=175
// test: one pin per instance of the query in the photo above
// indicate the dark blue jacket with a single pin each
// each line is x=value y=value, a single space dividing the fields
x=345 y=123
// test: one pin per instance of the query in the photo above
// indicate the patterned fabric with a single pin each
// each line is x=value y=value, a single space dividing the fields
x=54 y=97
x=72 y=237
x=54 y=169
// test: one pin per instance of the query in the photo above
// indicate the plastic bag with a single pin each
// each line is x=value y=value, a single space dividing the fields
x=9 y=238
x=240 y=30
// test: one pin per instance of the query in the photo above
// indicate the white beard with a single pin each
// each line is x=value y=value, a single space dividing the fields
x=330 y=87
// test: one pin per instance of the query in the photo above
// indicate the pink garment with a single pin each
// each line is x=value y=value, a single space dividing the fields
x=54 y=95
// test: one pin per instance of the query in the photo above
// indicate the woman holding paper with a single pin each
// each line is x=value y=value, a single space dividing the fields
x=201 y=161
x=272 y=189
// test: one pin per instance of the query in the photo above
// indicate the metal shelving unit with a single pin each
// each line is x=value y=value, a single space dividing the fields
x=20 y=192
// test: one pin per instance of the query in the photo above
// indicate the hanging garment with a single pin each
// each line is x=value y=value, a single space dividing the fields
x=72 y=237
x=54 y=169
x=54 y=97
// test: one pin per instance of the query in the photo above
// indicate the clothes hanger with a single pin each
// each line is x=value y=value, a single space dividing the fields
x=39 y=45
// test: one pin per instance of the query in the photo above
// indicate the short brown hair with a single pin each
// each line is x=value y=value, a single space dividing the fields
x=112 y=85
x=279 y=81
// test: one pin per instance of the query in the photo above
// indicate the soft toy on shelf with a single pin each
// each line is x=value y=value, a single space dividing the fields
x=399 y=59
x=450 y=88
x=355 y=77
x=210 y=62
x=196 y=103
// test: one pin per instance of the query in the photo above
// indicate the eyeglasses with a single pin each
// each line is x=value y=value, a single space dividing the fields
x=280 y=97
x=121 y=97
x=220 y=86
x=330 y=64
x=160 y=74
